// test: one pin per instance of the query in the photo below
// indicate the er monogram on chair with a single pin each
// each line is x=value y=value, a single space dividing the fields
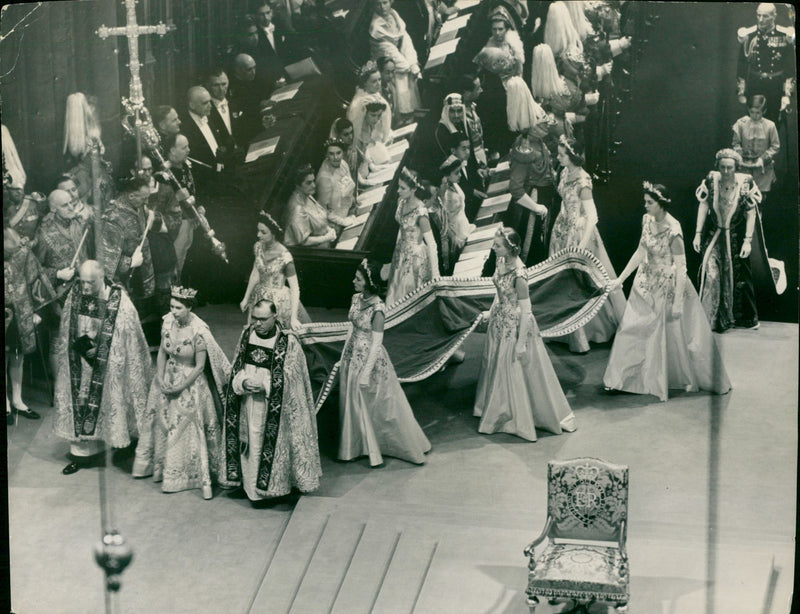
x=585 y=559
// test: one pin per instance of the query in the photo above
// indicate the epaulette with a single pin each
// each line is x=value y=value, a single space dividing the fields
x=788 y=32
x=744 y=33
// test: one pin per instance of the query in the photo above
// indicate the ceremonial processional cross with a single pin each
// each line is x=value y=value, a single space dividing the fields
x=134 y=103
x=114 y=554
x=137 y=121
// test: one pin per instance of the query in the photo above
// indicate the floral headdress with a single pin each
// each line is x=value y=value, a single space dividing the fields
x=654 y=191
x=564 y=142
x=368 y=68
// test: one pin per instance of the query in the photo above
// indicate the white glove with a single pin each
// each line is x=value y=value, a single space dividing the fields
x=137 y=258
x=65 y=274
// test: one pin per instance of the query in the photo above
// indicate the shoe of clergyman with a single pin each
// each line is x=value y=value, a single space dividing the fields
x=27 y=413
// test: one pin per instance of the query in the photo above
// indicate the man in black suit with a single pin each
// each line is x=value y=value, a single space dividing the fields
x=246 y=94
x=272 y=50
x=223 y=117
x=471 y=182
x=202 y=141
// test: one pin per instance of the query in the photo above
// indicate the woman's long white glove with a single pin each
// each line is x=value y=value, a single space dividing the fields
x=433 y=255
x=680 y=284
x=374 y=349
x=520 y=350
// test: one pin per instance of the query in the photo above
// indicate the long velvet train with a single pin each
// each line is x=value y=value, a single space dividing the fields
x=424 y=328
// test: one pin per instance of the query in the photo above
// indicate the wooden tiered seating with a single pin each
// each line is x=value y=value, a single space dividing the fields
x=375 y=192
x=476 y=250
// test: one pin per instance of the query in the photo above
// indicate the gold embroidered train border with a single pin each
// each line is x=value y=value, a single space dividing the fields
x=455 y=287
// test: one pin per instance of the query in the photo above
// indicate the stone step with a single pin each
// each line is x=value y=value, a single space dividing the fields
x=329 y=567
x=368 y=570
x=407 y=573
x=288 y=567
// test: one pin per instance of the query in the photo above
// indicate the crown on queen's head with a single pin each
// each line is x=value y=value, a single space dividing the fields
x=184 y=293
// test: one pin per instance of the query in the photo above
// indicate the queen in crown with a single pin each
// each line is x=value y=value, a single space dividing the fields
x=180 y=435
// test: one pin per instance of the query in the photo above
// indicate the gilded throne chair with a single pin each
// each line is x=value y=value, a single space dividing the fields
x=584 y=559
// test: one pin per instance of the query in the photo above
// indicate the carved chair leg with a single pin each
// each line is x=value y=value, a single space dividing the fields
x=533 y=601
x=621 y=607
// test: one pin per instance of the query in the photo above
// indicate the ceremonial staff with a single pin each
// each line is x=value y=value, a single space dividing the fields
x=150 y=138
x=137 y=121
x=113 y=554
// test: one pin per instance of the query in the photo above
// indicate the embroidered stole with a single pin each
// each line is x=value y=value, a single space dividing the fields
x=274 y=361
x=85 y=414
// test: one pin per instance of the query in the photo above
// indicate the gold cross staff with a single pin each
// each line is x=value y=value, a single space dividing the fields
x=134 y=104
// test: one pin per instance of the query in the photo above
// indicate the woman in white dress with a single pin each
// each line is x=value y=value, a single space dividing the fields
x=388 y=38
x=273 y=276
x=455 y=225
x=504 y=56
x=181 y=448
x=518 y=390
x=336 y=190
x=374 y=414
x=576 y=226
x=664 y=340
x=369 y=90
x=415 y=260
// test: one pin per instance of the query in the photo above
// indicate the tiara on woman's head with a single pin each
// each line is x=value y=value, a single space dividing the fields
x=652 y=189
x=181 y=292
x=365 y=267
x=731 y=154
x=562 y=140
x=334 y=142
x=408 y=177
x=500 y=13
x=505 y=232
x=270 y=221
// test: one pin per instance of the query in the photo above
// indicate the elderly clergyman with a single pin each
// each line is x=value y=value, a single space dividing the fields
x=104 y=369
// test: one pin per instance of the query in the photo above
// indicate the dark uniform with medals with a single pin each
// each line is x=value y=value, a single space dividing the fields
x=766 y=65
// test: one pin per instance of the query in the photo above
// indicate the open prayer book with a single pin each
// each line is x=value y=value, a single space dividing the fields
x=287 y=92
x=261 y=148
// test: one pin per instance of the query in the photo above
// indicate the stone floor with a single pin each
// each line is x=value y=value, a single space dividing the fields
x=712 y=506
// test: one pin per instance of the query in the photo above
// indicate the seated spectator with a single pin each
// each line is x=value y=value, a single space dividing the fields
x=307 y=220
x=469 y=86
x=450 y=123
x=335 y=186
x=372 y=151
x=387 y=68
x=368 y=91
x=342 y=131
